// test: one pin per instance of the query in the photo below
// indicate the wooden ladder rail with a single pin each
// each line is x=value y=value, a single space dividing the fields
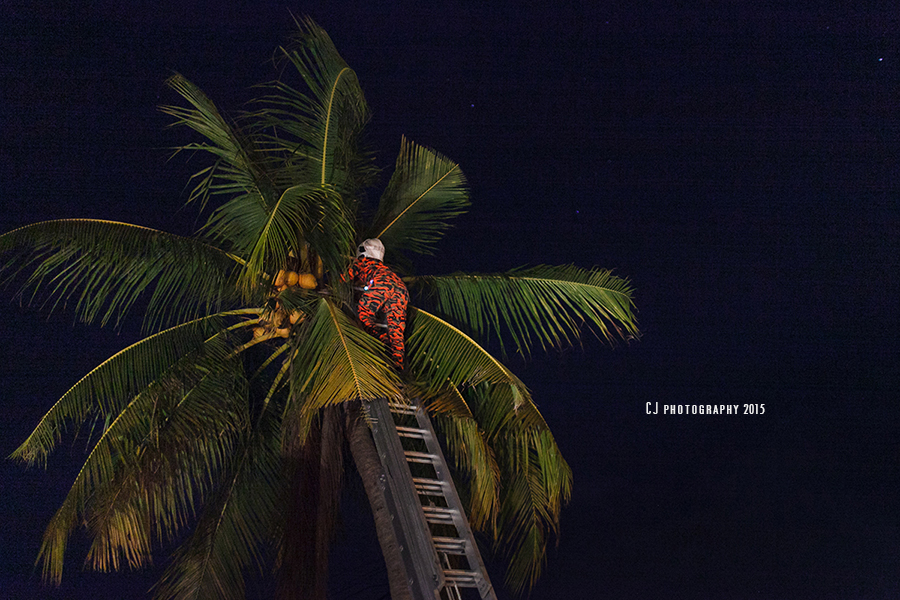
x=432 y=561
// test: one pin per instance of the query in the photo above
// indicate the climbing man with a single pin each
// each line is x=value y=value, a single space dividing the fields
x=382 y=292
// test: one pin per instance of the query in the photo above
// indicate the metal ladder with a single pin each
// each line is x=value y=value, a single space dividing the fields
x=438 y=549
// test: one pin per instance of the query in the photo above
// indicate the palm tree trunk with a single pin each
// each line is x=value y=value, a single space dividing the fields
x=362 y=448
x=315 y=471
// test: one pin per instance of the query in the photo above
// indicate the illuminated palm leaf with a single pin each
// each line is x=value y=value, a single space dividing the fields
x=318 y=130
x=109 y=387
x=303 y=212
x=537 y=482
x=545 y=305
x=101 y=268
x=335 y=362
x=240 y=169
x=315 y=133
x=472 y=456
x=439 y=353
x=293 y=147
x=167 y=462
x=534 y=493
x=512 y=469
x=236 y=522
x=191 y=398
x=424 y=193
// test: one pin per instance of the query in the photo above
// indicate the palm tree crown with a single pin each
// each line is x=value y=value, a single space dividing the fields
x=211 y=424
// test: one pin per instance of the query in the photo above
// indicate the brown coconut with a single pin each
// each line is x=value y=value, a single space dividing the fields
x=307 y=281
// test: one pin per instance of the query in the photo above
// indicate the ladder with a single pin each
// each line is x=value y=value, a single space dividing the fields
x=439 y=551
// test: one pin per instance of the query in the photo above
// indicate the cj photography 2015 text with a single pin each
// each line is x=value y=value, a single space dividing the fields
x=654 y=408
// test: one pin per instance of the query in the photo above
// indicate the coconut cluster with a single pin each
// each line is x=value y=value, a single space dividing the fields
x=279 y=321
x=289 y=279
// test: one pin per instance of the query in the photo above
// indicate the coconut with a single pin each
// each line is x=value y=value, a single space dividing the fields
x=296 y=315
x=279 y=279
x=291 y=278
x=276 y=318
x=283 y=332
x=307 y=281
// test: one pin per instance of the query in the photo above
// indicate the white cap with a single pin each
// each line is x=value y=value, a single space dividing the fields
x=373 y=248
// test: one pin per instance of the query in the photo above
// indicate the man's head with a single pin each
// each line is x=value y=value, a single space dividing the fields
x=373 y=248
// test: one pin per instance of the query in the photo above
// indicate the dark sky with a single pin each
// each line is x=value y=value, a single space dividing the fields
x=738 y=161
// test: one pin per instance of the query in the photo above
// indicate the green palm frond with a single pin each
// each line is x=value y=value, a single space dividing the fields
x=424 y=193
x=472 y=456
x=279 y=201
x=103 y=267
x=537 y=483
x=278 y=381
x=121 y=531
x=523 y=428
x=304 y=212
x=125 y=450
x=529 y=516
x=318 y=131
x=236 y=224
x=336 y=361
x=167 y=460
x=236 y=524
x=107 y=389
x=240 y=168
x=545 y=305
x=439 y=353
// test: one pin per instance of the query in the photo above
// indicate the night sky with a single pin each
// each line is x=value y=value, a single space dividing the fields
x=737 y=161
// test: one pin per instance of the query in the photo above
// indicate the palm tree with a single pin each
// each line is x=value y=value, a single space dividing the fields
x=221 y=433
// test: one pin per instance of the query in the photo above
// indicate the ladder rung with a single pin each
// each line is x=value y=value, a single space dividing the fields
x=438 y=514
x=411 y=432
x=419 y=457
x=462 y=578
x=430 y=487
x=449 y=545
x=401 y=409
